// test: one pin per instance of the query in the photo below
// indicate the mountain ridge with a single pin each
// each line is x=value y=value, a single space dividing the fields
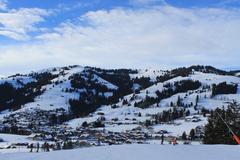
x=150 y=77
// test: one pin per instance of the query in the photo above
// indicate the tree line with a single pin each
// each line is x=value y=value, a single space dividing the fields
x=216 y=131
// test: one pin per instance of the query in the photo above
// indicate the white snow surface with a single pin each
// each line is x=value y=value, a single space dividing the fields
x=55 y=96
x=17 y=81
x=13 y=138
x=9 y=140
x=180 y=126
x=237 y=74
x=151 y=73
x=135 y=152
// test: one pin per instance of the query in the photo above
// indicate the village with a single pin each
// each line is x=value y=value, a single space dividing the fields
x=48 y=129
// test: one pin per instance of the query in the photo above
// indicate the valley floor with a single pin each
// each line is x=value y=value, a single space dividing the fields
x=135 y=152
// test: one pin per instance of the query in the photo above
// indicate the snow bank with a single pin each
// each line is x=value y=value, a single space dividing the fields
x=136 y=152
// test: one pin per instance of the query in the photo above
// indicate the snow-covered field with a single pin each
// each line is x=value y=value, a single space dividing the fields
x=11 y=140
x=135 y=152
x=121 y=152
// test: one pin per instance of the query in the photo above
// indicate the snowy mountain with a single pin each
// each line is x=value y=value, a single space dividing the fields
x=123 y=99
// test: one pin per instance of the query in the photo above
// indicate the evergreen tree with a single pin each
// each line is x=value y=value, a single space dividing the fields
x=224 y=88
x=192 y=134
x=216 y=132
x=197 y=100
x=148 y=123
x=187 y=113
x=179 y=101
x=84 y=124
x=184 y=136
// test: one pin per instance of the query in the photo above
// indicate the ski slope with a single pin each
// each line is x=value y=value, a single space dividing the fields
x=135 y=152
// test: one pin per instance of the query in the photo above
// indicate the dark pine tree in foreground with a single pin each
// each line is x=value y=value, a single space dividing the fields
x=216 y=132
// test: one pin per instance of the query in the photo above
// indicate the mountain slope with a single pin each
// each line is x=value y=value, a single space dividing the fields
x=123 y=99
x=126 y=112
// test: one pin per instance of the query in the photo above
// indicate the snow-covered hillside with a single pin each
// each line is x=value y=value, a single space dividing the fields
x=17 y=81
x=151 y=73
x=124 y=99
x=54 y=96
x=126 y=113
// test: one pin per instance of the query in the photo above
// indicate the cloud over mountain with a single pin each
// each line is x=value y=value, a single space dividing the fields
x=155 y=36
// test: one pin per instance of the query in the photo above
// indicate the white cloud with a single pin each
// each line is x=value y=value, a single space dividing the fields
x=153 y=37
x=146 y=2
x=13 y=35
x=17 y=23
x=73 y=6
x=48 y=36
x=3 y=5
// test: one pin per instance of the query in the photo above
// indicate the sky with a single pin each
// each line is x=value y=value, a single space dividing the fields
x=161 y=34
